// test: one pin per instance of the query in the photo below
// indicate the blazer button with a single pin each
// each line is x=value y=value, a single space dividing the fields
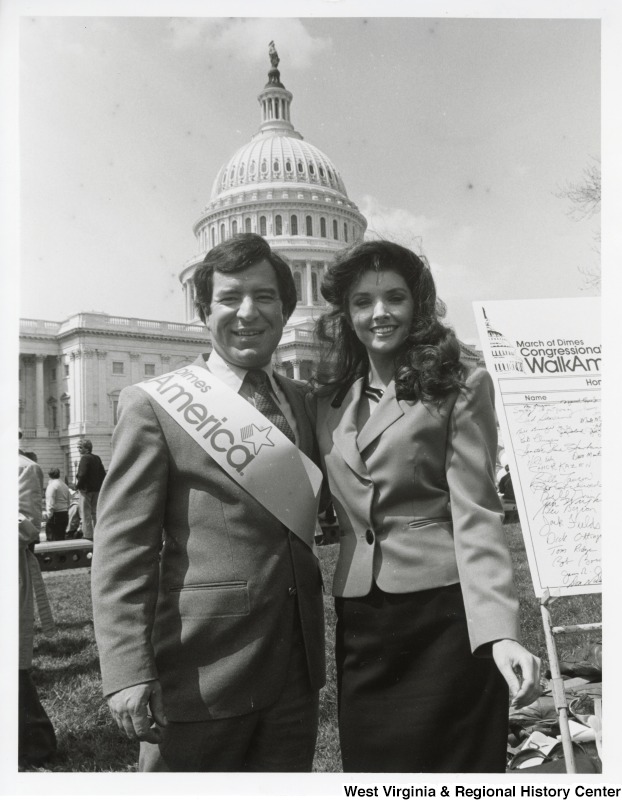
x=369 y=537
x=292 y=591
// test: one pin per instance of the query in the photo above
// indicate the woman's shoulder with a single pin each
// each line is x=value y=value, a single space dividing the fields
x=478 y=388
x=476 y=375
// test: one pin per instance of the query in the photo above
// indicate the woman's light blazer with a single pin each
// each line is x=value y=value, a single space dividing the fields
x=416 y=500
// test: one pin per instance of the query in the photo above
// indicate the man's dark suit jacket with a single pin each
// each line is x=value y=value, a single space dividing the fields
x=91 y=473
x=210 y=613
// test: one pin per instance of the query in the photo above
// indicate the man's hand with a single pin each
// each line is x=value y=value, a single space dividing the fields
x=130 y=710
x=520 y=669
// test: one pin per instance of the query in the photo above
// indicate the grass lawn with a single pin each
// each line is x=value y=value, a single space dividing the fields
x=66 y=670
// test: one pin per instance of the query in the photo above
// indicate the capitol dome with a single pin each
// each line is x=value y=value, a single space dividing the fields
x=288 y=191
x=280 y=159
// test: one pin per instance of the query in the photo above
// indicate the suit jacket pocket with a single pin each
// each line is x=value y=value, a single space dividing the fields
x=421 y=523
x=202 y=600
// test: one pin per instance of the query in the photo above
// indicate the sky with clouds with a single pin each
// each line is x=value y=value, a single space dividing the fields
x=454 y=136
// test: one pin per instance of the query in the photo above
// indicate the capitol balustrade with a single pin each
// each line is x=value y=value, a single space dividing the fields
x=104 y=322
x=39 y=326
x=294 y=336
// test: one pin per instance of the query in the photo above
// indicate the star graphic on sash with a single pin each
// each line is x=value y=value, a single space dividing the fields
x=258 y=437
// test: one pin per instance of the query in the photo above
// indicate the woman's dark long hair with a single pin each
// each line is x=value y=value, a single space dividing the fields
x=428 y=367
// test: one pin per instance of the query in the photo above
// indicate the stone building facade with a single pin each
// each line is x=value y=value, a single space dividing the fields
x=71 y=374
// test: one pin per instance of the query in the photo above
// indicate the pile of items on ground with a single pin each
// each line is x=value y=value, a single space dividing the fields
x=534 y=740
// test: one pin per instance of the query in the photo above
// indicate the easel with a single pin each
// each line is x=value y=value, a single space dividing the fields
x=559 y=692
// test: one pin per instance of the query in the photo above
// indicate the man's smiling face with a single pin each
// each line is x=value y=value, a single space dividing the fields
x=246 y=315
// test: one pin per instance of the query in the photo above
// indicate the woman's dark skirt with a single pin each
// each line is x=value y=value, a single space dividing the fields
x=412 y=697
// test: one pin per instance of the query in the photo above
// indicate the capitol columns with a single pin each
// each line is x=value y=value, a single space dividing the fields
x=40 y=396
x=54 y=399
x=89 y=379
x=76 y=424
x=102 y=398
x=309 y=284
x=296 y=366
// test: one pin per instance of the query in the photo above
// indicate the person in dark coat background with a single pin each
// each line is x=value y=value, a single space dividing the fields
x=91 y=474
x=505 y=486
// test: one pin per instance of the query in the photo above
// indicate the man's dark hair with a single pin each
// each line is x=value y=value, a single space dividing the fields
x=54 y=472
x=234 y=255
x=86 y=444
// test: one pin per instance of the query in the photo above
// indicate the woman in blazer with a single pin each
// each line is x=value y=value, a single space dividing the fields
x=427 y=626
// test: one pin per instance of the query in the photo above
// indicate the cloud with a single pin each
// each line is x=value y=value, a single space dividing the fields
x=246 y=39
x=396 y=224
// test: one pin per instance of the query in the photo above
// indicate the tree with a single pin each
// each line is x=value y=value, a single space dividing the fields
x=584 y=197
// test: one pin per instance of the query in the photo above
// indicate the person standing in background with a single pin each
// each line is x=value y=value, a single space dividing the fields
x=74 y=527
x=36 y=737
x=89 y=480
x=505 y=486
x=57 y=501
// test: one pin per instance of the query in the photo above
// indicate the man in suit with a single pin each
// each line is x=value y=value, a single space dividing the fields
x=89 y=481
x=208 y=608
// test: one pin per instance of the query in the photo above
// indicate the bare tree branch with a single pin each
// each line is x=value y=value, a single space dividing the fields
x=584 y=195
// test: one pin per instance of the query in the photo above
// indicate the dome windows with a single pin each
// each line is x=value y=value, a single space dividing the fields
x=322 y=227
x=283 y=158
x=278 y=225
x=309 y=225
x=234 y=227
x=262 y=226
x=293 y=225
x=345 y=231
x=335 y=229
x=247 y=225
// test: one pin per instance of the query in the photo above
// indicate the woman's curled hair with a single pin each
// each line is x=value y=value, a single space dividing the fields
x=428 y=367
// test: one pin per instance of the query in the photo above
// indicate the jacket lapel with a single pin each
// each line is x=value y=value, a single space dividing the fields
x=342 y=425
x=387 y=412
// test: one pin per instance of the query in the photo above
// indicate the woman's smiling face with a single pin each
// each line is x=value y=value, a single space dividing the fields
x=381 y=310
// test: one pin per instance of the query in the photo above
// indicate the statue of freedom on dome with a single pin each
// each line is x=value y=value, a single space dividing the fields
x=274 y=56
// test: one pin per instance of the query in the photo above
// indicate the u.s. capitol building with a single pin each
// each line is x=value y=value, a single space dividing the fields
x=278 y=185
